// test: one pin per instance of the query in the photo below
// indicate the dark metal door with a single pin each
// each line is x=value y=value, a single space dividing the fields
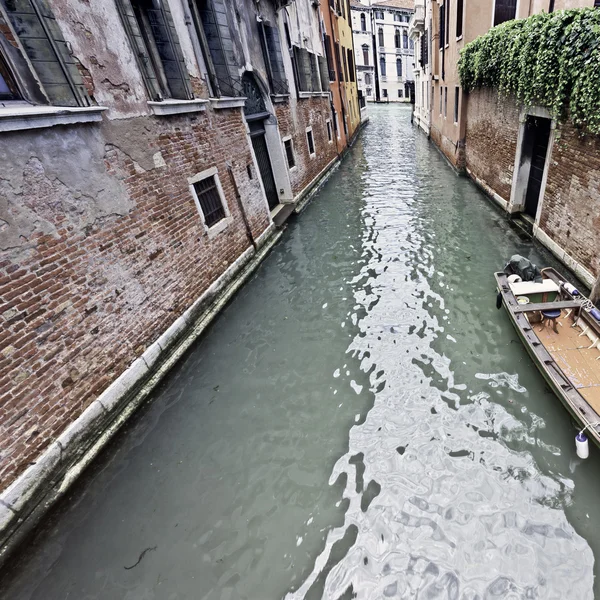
x=259 y=143
x=540 y=131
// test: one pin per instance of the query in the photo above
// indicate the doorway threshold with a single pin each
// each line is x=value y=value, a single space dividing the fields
x=280 y=214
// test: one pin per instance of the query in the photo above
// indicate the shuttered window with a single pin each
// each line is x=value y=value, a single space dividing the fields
x=351 y=69
x=151 y=31
x=442 y=15
x=424 y=41
x=505 y=10
x=303 y=61
x=329 y=55
x=315 y=75
x=273 y=58
x=324 y=73
x=212 y=26
x=338 y=62
x=43 y=43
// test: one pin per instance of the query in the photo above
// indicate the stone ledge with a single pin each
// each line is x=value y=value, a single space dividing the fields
x=227 y=102
x=34 y=492
x=177 y=107
x=18 y=117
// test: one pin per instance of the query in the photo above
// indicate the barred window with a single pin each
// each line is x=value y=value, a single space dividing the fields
x=209 y=198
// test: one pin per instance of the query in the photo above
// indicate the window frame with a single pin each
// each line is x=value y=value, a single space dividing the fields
x=494 y=13
x=22 y=63
x=363 y=22
x=399 y=67
x=460 y=17
x=310 y=141
x=365 y=53
x=285 y=140
x=225 y=221
x=456 y=103
x=445 y=102
x=14 y=92
x=150 y=60
x=382 y=66
x=381 y=37
x=329 y=131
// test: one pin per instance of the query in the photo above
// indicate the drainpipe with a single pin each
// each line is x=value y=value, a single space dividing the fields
x=240 y=204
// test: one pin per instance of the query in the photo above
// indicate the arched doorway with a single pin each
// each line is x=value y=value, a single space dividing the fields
x=256 y=114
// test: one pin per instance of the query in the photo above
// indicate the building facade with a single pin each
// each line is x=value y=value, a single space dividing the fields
x=495 y=140
x=146 y=149
x=420 y=32
x=384 y=51
x=339 y=48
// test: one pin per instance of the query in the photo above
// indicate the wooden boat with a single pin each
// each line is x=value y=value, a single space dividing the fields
x=562 y=338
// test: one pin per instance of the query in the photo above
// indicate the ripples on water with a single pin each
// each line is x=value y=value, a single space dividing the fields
x=366 y=353
x=439 y=505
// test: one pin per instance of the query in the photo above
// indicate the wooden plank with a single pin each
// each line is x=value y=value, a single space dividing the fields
x=546 y=306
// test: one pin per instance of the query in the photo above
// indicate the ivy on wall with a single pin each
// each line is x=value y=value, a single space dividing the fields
x=551 y=60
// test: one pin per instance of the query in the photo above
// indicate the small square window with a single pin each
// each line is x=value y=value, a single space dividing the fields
x=289 y=152
x=329 y=134
x=209 y=199
x=384 y=90
x=310 y=141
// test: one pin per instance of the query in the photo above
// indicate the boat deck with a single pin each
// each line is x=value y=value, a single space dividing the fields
x=573 y=354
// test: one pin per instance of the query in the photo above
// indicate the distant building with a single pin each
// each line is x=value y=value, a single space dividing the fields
x=420 y=32
x=383 y=49
x=511 y=151
x=339 y=49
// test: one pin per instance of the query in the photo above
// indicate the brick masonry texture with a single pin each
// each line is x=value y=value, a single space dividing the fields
x=89 y=282
x=570 y=213
x=492 y=128
x=571 y=207
x=310 y=112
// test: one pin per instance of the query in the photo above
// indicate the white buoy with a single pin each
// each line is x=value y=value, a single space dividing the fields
x=582 y=445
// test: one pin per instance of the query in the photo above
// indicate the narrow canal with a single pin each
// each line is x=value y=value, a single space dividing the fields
x=360 y=422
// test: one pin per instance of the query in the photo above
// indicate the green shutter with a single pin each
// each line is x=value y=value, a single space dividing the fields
x=47 y=51
x=304 y=71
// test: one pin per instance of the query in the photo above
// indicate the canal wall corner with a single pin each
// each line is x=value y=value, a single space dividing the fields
x=35 y=491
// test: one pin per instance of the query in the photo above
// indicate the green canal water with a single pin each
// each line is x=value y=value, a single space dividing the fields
x=360 y=422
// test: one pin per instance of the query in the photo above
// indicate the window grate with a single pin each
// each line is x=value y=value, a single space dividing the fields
x=210 y=200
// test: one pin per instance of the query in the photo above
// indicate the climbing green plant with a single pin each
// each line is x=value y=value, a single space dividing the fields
x=551 y=60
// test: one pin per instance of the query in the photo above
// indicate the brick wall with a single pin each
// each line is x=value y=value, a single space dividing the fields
x=309 y=112
x=492 y=127
x=570 y=213
x=88 y=279
x=571 y=206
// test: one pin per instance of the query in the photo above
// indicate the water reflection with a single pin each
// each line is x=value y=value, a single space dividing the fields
x=456 y=505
